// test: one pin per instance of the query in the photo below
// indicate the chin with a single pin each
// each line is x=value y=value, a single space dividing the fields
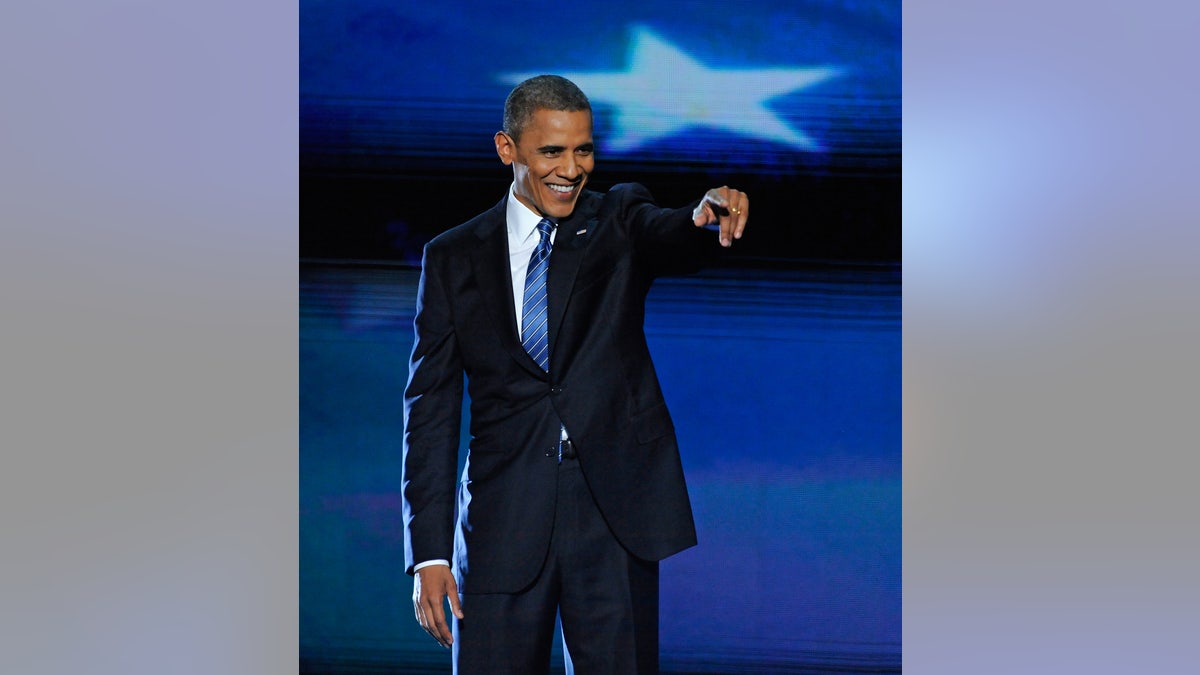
x=561 y=211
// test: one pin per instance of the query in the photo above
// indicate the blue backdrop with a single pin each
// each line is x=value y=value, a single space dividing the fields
x=785 y=388
x=797 y=103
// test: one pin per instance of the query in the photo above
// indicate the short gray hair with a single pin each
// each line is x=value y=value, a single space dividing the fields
x=544 y=92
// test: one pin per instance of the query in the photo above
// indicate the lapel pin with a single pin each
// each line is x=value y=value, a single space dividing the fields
x=581 y=231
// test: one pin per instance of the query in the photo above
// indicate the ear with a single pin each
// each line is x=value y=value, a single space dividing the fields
x=505 y=148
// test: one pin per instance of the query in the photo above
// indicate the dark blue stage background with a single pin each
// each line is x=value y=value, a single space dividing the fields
x=785 y=389
x=781 y=365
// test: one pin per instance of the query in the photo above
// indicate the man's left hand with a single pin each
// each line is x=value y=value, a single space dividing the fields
x=728 y=208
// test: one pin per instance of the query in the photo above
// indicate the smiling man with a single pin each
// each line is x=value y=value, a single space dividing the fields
x=573 y=488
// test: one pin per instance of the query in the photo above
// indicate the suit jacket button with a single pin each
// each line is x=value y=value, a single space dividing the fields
x=556 y=390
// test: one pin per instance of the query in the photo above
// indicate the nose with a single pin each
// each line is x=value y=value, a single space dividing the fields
x=569 y=168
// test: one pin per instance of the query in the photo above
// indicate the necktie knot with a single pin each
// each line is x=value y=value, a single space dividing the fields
x=545 y=228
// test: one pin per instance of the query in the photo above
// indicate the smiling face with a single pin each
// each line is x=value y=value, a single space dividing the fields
x=551 y=161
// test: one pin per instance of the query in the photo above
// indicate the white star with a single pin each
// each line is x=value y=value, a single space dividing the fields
x=665 y=90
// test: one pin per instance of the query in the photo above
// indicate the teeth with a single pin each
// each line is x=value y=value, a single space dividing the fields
x=561 y=188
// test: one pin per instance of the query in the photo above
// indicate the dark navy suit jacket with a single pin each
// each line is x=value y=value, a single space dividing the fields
x=495 y=520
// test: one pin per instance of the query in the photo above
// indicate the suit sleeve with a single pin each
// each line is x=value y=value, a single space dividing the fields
x=432 y=417
x=668 y=241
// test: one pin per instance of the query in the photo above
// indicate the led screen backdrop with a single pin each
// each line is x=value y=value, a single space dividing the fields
x=798 y=103
x=781 y=364
x=785 y=392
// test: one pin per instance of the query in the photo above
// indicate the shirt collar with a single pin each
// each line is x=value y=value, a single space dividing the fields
x=522 y=221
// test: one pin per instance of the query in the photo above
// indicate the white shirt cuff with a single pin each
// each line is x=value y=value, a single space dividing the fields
x=427 y=563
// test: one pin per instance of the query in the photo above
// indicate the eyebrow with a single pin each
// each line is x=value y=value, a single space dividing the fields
x=559 y=148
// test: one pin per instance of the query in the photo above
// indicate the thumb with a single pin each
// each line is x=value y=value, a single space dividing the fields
x=455 y=604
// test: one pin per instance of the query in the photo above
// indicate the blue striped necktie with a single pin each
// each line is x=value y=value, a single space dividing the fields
x=534 y=335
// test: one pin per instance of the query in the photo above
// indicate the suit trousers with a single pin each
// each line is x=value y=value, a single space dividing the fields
x=606 y=598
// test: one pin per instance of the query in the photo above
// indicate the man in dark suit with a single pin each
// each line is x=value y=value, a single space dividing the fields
x=574 y=488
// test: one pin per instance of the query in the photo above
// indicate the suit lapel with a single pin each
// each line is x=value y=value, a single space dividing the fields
x=565 y=260
x=490 y=262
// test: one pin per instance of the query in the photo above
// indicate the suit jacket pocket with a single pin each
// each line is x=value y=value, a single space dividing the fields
x=653 y=424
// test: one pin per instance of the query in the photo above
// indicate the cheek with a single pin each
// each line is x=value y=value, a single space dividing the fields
x=529 y=177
